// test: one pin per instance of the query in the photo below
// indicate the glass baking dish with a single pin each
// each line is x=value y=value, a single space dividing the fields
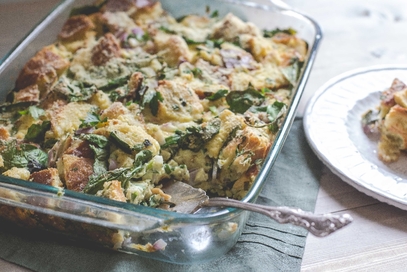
x=149 y=232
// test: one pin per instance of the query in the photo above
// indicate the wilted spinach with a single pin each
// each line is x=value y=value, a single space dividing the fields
x=124 y=175
x=36 y=132
x=23 y=156
x=218 y=95
x=115 y=83
x=193 y=138
x=241 y=101
x=152 y=98
x=292 y=71
x=92 y=119
x=100 y=146
x=274 y=112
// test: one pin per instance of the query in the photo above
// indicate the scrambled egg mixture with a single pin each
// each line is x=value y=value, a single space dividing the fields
x=390 y=121
x=129 y=96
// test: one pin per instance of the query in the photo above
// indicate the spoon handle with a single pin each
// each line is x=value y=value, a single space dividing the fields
x=319 y=225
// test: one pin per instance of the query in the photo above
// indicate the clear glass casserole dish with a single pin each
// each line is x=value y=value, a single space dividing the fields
x=145 y=231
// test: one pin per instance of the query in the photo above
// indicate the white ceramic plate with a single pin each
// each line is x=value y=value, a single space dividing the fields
x=332 y=124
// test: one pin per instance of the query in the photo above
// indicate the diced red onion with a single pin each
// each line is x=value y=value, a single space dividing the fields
x=137 y=31
x=112 y=164
x=159 y=244
x=370 y=129
x=85 y=130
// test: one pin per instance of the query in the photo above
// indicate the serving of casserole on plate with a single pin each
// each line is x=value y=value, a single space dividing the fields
x=128 y=94
x=360 y=144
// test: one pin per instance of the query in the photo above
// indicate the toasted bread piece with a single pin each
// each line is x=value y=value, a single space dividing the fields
x=43 y=69
x=113 y=190
x=387 y=97
x=76 y=171
x=107 y=48
x=48 y=176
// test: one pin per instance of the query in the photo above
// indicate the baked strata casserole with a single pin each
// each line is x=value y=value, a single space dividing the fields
x=390 y=120
x=129 y=96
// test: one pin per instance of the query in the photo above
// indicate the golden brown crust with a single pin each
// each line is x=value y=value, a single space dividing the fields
x=255 y=143
x=394 y=134
x=387 y=97
x=231 y=27
x=113 y=190
x=47 y=176
x=80 y=148
x=4 y=133
x=291 y=41
x=76 y=171
x=179 y=102
x=75 y=28
x=28 y=94
x=43 y=69
x=135 y=81
x=108 y=47
x=114 y=111
x=172 y=48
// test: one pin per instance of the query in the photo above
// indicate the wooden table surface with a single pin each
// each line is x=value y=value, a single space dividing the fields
x=356 y=34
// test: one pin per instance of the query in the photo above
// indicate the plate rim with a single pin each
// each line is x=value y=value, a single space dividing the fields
x=368 y=190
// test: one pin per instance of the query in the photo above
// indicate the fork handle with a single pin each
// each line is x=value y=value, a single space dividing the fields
x=319 y=225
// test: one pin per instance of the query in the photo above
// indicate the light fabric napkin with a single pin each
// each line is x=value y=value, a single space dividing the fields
x=263 y=246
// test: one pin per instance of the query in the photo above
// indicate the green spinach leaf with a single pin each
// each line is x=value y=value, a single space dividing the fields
x=218 y=95
x=292 y=71
x=241 y=101
x=194 y=138
x=36 y=132
x=92 y=119
x=274 y=112
x=152 y=99
x=23 y=156
x=124 y=175
x=115 y=83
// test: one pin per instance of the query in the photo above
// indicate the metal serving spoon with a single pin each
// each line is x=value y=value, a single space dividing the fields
x=187 y=199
